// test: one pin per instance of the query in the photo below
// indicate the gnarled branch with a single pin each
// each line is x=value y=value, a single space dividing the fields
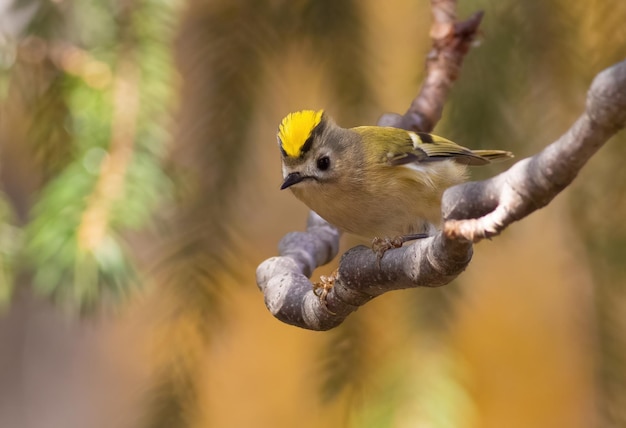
x=431 y=262
x=472 y=211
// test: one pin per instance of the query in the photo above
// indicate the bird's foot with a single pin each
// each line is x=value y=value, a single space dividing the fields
x=381 y=245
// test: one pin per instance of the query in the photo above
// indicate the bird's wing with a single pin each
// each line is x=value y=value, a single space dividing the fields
x=401 y=147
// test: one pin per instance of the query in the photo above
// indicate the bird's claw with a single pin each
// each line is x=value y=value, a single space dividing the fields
x=381 y=245
x=324 y=286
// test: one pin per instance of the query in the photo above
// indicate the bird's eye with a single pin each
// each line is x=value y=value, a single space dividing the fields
x=323 y=163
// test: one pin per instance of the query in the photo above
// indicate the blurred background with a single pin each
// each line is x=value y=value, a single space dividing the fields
x=139 y=181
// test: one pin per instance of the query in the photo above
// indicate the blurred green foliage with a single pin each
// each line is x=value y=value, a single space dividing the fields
x=68 y=113
x=10 y=243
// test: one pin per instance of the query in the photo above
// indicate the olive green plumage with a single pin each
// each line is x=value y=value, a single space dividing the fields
x=372 y=181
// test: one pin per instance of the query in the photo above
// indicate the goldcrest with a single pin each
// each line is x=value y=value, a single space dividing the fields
x=372 y=181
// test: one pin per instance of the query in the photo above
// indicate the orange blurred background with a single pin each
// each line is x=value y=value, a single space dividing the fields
x=528 y=336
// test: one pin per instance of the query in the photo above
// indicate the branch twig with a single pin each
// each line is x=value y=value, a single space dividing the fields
x=451 y=42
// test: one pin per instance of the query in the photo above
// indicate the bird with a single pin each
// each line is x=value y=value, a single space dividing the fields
x=372 y=181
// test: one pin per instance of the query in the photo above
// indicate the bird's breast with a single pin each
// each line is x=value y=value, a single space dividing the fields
x=389 y=202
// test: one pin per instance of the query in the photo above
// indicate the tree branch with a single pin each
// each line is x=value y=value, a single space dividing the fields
x=430 y=262
x=478 y=210
x=472 y=211
x=451 y=42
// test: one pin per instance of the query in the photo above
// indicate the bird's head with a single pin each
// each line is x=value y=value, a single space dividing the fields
x=310 y=144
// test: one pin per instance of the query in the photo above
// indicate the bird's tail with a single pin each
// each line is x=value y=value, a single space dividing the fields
x=493 y=155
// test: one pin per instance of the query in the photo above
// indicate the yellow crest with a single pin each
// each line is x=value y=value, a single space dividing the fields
x=295 y=129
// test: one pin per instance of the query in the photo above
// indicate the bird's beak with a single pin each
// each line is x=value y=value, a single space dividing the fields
x=291 y=179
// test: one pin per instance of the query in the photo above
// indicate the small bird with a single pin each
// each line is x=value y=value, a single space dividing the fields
x=371 y=181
